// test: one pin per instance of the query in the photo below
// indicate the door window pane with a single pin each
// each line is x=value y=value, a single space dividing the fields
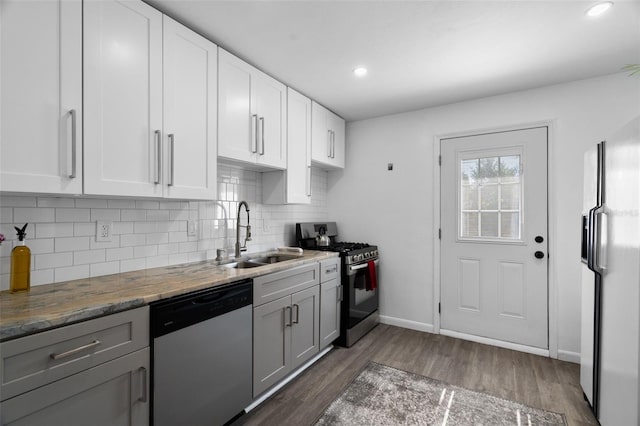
x=491 y=197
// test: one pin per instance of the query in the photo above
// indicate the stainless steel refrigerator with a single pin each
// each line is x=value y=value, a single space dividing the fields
x=610 y=332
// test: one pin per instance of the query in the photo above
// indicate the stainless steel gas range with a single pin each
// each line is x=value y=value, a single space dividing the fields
x=359 y=277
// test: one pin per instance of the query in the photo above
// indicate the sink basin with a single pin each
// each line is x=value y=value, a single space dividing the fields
x=242 y=265
x=254 y=262
x=274 y=258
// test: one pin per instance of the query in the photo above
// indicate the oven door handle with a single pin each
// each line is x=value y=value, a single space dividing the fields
x=361 y=266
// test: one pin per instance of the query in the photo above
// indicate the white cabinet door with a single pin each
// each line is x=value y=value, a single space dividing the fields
x=237 y=123
x=305 y=328
x=338 y=128
x=122 y=98
x=330 y=300
x=252 y=111
x=320 y=134
x=270 y=99
x=293 y=186
x=327 y=138
x=41 y=101
x=190 y=113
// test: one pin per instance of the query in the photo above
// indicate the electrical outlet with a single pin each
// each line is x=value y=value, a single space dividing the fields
x=192 y=228
x=103 y=230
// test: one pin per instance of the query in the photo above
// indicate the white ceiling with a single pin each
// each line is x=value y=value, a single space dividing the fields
x=419 y=53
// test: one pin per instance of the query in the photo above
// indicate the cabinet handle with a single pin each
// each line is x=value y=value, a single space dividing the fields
x=329 y=143
x=297 y=321
x=334 y=269
x=75 y=351
x=74 y=144
x=261 y=135
x=254 y=138
x=172 y=150
x=333 y=144
x=287 y=308
x=158 y=159
x=309 y=181
x=340 y=294
x=144 y=396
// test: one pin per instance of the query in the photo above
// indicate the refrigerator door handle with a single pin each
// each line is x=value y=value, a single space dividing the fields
x=590 y=238
x=599 y=240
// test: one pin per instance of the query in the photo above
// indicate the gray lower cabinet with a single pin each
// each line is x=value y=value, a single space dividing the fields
x=285 y=330
x=114 y=393
x=93 y=372
x=330 y=301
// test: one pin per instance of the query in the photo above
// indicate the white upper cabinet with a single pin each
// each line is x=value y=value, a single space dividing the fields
x=150 y=104
x=293 y=186
x=190 y=113
x=122 y=98
x=252 y=114
x=327 y=138
x=41 y=96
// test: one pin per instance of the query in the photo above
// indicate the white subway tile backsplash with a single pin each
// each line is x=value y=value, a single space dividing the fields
x=72 y=244
x=18 y=201
x=119 y=253
x=105 y=214
x=106 y=268
x=72 y=215
x=131 y=240
x=133 y=264
x=90 y=203
x=55 y=202
x=53 y=260
x=33 y=215
x=147 y=233
x=48 y=230
x=88 y=256
x=72 y=273
x=133 y=215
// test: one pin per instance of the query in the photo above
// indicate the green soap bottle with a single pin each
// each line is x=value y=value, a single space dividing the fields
x=20 y=263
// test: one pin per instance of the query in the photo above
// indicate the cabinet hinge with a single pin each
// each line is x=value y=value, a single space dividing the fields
x=440 y=160
x=439 y=233
x=439 y=310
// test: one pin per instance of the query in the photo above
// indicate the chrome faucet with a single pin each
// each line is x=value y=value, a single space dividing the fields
x=243 y=247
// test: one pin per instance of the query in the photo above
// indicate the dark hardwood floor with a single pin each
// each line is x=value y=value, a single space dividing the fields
x=529 y=379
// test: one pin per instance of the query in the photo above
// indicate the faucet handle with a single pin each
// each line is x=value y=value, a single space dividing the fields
x=248 y=238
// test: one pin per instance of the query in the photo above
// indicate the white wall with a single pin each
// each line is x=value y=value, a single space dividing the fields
x=146 y=233
x=394 y=209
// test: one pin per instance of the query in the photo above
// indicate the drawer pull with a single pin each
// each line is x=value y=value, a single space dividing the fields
x=334 y=269
x=75 y=351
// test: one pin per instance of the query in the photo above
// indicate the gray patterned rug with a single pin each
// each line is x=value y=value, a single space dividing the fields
x=382 y=395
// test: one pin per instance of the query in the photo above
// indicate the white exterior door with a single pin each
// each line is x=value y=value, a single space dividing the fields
x=494 y=236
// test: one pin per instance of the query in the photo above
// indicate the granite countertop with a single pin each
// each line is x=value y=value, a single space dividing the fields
x=54 y=305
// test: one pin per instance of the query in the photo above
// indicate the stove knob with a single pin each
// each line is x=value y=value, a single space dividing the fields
x=358 y=257
x=375 y=252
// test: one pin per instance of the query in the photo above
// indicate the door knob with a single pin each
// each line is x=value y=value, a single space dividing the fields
x=539 y=255
x=539 y=239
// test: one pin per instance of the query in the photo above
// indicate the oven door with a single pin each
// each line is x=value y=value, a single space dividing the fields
x=363 y=300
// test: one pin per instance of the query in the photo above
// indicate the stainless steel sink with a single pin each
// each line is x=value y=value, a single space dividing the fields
x=254 y=262
x=242 y=264
x=274 y=258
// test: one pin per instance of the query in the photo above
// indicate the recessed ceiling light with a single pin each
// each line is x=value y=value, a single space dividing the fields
x=599 y=9
x=360 y=71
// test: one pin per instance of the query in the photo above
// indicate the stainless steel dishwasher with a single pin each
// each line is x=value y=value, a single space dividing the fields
x=202 y=350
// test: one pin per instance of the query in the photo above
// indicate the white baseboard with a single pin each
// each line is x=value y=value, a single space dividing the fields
x=569 y=356
x=412 y=325
x=499 y=343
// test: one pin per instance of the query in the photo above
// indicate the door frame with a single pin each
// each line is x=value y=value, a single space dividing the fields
x=552 y=302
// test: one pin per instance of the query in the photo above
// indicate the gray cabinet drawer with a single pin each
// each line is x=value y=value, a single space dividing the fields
x=39 y=359
x=274 y=286
x=329 y=269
